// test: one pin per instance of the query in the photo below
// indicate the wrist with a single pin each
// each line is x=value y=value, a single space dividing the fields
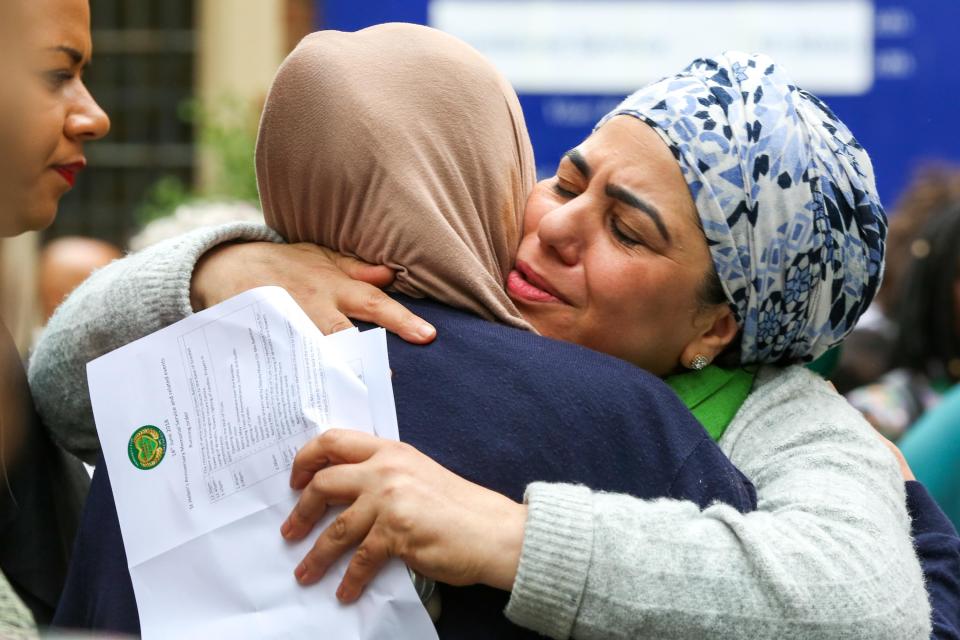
x=205 y=275
x=500 y=571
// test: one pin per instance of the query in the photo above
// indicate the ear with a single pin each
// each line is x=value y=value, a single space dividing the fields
x=716 y=329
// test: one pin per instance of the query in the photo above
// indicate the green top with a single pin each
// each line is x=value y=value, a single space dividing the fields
x=713 y=395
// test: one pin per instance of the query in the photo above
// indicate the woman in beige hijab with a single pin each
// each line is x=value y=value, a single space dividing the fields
x=431 y=184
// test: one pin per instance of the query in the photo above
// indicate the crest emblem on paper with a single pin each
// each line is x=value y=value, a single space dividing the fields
x=147 y=447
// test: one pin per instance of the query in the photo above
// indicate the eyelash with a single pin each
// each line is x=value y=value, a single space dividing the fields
x=621 y=236
x=560 y=191
x=56 y=79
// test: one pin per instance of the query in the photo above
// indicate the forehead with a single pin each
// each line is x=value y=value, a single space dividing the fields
x=630 y=142
x=56 y=23
x=628 y=152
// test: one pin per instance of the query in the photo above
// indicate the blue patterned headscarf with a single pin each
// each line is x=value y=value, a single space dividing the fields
x=786 y=197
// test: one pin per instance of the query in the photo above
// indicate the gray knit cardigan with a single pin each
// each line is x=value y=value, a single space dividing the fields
x=828 y=554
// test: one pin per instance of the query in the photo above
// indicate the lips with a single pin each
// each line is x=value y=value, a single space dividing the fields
x=525 y=284
x=69 y=171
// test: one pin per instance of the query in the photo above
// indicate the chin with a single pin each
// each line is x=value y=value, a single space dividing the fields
x=38 y=217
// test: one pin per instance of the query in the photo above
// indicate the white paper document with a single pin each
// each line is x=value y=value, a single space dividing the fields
x=199 y=424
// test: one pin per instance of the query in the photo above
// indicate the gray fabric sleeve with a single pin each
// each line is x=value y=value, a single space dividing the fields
x=124 y=301
x=16 y=623
x=827 y=554
x=557 y=544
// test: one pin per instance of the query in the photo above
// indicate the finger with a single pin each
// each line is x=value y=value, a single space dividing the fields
x=346 y=531
x=328 y=320
x=334 y=485
x=369 y=558
x=333 y=446
x=368 y=303
x=377 y=275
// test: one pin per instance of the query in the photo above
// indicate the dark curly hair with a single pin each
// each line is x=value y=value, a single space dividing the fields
x=933 y=188
x=928 y=337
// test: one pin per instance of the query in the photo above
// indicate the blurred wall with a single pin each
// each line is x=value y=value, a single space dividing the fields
x=241 y=44
x=19 y=305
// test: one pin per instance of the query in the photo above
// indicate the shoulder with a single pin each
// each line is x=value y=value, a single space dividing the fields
x=793 y=412
x=795 y=392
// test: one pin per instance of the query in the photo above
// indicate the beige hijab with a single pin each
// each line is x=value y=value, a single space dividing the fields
x=400 y=145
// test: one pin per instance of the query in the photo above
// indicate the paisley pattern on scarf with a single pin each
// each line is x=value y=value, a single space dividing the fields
x=786 y=197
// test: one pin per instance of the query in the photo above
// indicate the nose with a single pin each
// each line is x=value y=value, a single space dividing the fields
x=86 y=121
x=564 y=231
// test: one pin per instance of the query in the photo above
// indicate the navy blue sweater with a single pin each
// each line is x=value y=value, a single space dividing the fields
x=939 y=550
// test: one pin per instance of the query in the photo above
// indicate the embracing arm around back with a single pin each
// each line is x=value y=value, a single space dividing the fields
x=122 y=302
x=155 y=287
x=827 y=553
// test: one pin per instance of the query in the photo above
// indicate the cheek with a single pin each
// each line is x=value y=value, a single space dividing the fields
x=648 y=294
x=539 y=203
x=42 y=127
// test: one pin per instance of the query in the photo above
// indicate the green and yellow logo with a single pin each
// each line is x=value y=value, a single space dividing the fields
x=147 y=447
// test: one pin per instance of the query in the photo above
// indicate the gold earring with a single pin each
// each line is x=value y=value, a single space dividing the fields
x=699 y=362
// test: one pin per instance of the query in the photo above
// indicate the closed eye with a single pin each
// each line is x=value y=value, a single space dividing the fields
x=564 y=193
x=622 y=236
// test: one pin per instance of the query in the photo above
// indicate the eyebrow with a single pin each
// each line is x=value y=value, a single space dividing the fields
x=579 y=162
x=621 y=194
x=75 y=55
x=627 y=198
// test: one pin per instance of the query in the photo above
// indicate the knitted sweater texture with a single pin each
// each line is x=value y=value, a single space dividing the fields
x=15 y=620
x=827 y=555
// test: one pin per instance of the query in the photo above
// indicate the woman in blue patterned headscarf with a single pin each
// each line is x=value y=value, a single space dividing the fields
x=786 y=197
x=783 y=194
x=721 y=215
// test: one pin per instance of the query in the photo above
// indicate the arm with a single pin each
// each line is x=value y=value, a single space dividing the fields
x=939 y=550
x=827 y=552
x=160 y=285
x=126 y=300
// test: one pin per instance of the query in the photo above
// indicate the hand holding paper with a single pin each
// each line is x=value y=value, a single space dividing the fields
x=402 y=505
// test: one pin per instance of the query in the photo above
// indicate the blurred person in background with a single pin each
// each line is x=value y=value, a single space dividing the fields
x=926 y=322
x=15 y=618
x=923 y=394
x=48 y=116
x=867 y=353
x=65 y=263
x=932 y=448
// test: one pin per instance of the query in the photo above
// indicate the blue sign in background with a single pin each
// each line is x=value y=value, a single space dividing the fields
x=910 y=115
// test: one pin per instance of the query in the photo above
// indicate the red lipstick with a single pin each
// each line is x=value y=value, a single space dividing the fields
x=69 y=171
